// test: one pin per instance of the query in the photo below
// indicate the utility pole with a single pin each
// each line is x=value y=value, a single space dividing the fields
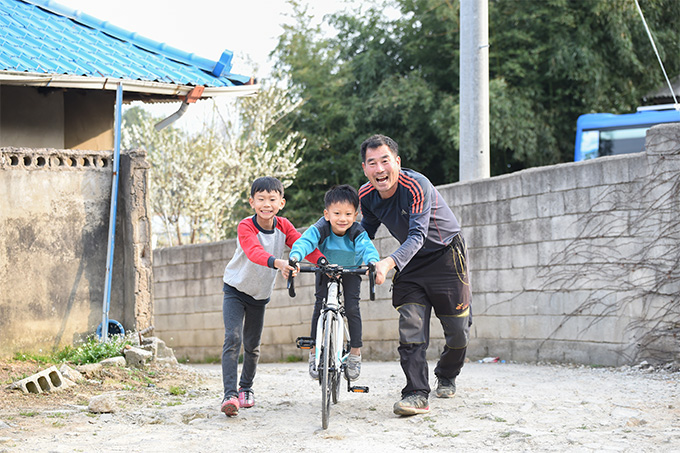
x=474 y=156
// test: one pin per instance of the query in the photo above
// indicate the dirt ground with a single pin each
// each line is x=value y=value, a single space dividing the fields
x=498 y=407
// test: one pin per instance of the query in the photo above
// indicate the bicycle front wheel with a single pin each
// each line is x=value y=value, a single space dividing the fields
x=326 y=360
x=335 y=372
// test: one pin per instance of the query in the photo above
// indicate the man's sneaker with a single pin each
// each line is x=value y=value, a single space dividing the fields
x=353 y=367
x=230 y=406
x=411 y=405
x=446 y=387
x=246 y=398
x=313 y=372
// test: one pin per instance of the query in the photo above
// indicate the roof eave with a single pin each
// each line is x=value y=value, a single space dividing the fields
x=107 y=83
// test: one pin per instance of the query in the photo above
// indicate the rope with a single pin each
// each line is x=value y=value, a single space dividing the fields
x=651 y=39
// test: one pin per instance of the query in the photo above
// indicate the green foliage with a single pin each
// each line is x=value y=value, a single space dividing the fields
x=549 y=62
x=90 y=351
x=93 y=350
x=292 y=358
x=177 y=391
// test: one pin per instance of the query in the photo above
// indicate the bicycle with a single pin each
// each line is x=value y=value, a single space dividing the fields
x=332 y=334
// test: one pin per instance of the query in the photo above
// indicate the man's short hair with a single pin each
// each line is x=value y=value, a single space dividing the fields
x=341 y=194
x=266 y=184
x=377 y=141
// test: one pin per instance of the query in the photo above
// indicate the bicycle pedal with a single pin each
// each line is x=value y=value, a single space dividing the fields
x=359 y=389
x=304 y=342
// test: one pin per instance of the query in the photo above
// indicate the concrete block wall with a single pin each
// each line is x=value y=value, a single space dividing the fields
x=188 y=307
x=54 y=219
x=570 y=263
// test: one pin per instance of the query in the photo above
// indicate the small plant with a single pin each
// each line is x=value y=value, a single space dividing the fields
x=28 y=414
x=177 y=391
x=174 y=403
x=292 y=358
x=212 y=359
x=91 y=350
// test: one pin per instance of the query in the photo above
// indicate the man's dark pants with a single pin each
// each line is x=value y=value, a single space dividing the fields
x=438 y=281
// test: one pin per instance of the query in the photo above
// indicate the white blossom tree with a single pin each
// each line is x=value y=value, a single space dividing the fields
x=198 y=181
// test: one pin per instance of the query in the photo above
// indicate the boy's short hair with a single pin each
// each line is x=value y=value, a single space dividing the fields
x=343 y=193
x=376 y=141
x=266 y=184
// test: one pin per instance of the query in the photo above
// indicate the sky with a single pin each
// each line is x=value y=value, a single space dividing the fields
x=249 y=28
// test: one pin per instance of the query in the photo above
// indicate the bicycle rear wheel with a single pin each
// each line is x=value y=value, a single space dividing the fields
x=326 y=360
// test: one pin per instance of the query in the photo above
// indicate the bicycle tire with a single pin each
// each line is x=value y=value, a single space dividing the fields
x=327 y=361
x=335 y=371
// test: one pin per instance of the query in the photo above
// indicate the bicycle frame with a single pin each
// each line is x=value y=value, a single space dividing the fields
x=334 y=310
x=331 y=339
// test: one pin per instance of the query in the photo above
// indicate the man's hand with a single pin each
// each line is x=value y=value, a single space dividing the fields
x=285 y=268
x=382 y=267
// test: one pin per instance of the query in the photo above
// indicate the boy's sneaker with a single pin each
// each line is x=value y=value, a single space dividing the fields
x=230 y=406
x=446 y=387
x=313 y=372
x=411 y=405
x=353 y=367
x=246 y=398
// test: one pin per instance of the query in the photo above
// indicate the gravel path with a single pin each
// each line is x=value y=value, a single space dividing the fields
x=498 y=407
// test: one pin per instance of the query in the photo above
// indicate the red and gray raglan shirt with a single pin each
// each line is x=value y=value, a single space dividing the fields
x=251 y=269
x=416 y=215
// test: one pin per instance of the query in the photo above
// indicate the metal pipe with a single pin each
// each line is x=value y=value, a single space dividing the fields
x=172 y=118
x=112 y=216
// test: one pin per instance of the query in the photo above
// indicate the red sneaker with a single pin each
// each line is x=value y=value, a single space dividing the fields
x=246 y=398
x=230 y=406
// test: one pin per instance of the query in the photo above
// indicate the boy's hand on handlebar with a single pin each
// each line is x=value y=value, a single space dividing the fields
x=286 y=269
x=382 y=267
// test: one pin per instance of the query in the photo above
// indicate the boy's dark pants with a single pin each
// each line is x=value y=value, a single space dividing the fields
x=439 y=280
x=243 y=322
x=351 y=287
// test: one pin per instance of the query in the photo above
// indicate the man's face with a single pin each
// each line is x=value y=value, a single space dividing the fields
x=381 y=167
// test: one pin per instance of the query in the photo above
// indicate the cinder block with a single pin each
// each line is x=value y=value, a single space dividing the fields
x=550 y=204
x=176 y=255
x=535 y=181
x=565 y=227
x=576 y=201
x=562 y=177
x=590 y=175
x=380 y=330
x=483 y=236
x=484 y=190
x=523 y=208
x=48 y=380
x=160 y=257
x=508 y=187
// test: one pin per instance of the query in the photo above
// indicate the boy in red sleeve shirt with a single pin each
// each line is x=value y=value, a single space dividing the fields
x=248 y=284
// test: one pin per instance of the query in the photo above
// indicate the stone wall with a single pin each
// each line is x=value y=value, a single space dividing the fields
x=54 y=214
x=574 y=262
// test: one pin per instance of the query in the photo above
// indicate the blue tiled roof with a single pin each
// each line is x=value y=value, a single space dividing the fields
x=43 y=37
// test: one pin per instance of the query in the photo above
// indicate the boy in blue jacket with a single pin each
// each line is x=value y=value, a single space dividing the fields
x=344 y=242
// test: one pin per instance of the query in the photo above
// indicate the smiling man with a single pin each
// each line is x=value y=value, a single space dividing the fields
x=432 y=269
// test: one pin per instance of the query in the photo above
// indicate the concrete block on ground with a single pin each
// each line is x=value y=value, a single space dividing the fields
x=48 y=380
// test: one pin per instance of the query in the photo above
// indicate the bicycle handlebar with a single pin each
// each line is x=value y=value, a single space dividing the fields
x=335 y=271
